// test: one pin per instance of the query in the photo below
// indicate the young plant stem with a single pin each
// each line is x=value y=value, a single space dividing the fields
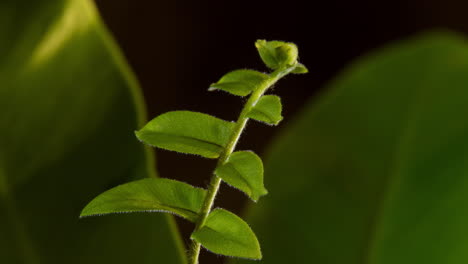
x=215 y=181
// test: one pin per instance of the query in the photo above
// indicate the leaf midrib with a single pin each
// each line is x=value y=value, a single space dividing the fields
x=268 y=118
x=227 y=237
x=191 y=138
x=240 y=176
x=395 y=173
x=190 y=215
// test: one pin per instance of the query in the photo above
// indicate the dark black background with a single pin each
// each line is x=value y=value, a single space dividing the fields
x=177 y=48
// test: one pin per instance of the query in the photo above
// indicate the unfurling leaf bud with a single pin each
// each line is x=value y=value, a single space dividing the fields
x=277 y=54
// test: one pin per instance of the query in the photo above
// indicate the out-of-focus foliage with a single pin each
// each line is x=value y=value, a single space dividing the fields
x=68 y=108
x=376 y=170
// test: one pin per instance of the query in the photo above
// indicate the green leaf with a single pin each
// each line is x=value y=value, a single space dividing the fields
x=268 y=110
x=277 y=54
x=244 y=171
x=68 y=106
x=149 y=195
x=227 y=234
x=377 y=167
x=240 y=82
x=300 y=69
x=187 y=132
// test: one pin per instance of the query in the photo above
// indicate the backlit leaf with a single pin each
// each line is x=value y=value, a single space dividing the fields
x=244 y=171
x=68 y=106
x=187 y=132
x=149 y=195
x=268 y=110
x=240 y=82
x=227 y=234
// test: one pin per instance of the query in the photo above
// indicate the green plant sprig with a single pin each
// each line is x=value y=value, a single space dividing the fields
x=219 y=230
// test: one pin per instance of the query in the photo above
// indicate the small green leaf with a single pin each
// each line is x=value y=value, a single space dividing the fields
x=300 y=69
x=187 y=132
x=148 y=195
x=268 y=110
x=244 y=171
x=227 y=234
x=240 y=82
x=277 y=54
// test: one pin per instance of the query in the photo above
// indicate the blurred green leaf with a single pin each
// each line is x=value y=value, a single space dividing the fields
x=187 y=132
x=277 y=54
x=227 y=234
x=68 y=105
x=268 y=110
x=376 y=168
x=244 y=171
x=240 y=82
x=149 y=195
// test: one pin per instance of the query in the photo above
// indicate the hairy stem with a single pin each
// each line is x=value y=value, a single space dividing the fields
x=215 y=181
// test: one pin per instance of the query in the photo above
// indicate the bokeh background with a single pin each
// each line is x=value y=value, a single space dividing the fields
x=177 y=48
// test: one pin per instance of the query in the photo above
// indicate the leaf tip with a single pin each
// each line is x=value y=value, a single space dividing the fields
x=87 y=211
x=300 y=69
x=84 y=213
x=259 y=43
x=137 y=133
x=277 y=121
x=259 y=255
x=255 y=197
x=212 y=87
